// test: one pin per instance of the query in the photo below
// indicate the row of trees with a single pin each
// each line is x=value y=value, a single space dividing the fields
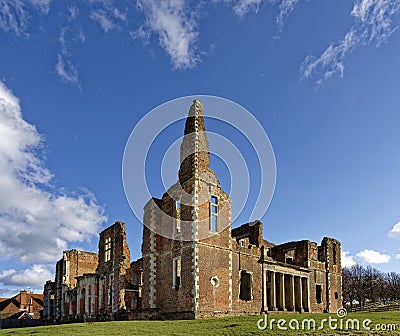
x=367 y=284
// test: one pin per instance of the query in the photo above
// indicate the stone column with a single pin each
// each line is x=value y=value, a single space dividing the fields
x=291 y=292
x=93 y=294
x=78 y=303
x=99 y=295
x=265 y=290
x=70 y=303
x=63 y=299
x=299 y=294
x=87 y=294
x=282 y=292
x=306 y=294
x=272 y=293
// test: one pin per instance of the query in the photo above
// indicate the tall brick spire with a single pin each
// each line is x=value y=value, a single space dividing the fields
x=195 y=153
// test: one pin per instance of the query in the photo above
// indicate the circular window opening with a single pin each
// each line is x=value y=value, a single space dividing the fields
x=214 y=281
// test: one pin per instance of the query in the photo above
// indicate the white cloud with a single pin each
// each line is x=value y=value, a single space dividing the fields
x=373 y=257
x=347 y=259
x=42 y=5
x=37 y=220
x=331 y=61
x=242 y=7
x=175 y=26
x=101 y=17
x=35 y=276
x=374 y=23
x=375 y=18
x=14 y=13
x=70 y=34
x=119 y=15
x=66 y=70
x=62 y=40
x=286 y=7
x=395 y=231
x=397 y=256
x=7 y=292
x=12 y=16
x=141 y=33
x=73 y=12
x=108 y=16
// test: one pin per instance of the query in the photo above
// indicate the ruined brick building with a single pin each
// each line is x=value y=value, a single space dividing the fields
x=194 y=263
x=90 y=286
x=24 y=305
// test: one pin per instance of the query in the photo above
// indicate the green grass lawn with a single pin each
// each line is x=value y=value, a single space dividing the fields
x=246 y=325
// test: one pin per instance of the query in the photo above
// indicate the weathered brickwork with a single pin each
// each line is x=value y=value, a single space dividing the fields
x=22 y=306
x=229 y=271
x=133 y=290
x=194 y=264
x=114 y=263
x=90 y=286
x=72 y=265
x=49 y=294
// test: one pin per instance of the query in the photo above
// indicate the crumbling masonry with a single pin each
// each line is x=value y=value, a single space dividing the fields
x=194 y=263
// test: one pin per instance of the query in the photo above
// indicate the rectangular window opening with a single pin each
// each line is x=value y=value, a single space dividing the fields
x=178 y=216
x=176 y=280
x=334 y=252
x=213 y=214
x=245 y=286
x=107 y=249
x=318 y=293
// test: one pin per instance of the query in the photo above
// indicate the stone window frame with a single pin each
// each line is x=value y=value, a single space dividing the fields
x=141 y=278
x=214 y=281
x=290 y=258
x=214 y=214
x=242 y=242
x=107 y=249
x=250 y=296
x=177 y=272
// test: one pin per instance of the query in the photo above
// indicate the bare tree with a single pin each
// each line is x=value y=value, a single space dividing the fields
x=393 y=280
x=369 y=284
x=348 y=291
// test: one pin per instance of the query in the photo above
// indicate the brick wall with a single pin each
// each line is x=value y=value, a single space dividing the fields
x=113 y=272
x=72 y=265
x=214 y=264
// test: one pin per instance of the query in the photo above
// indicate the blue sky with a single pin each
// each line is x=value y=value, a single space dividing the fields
x=322 y=78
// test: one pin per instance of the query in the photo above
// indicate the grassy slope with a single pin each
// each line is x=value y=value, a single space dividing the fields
x=246 y=325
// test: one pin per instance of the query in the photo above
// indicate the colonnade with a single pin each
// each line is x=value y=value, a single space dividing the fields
x=286 y=292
